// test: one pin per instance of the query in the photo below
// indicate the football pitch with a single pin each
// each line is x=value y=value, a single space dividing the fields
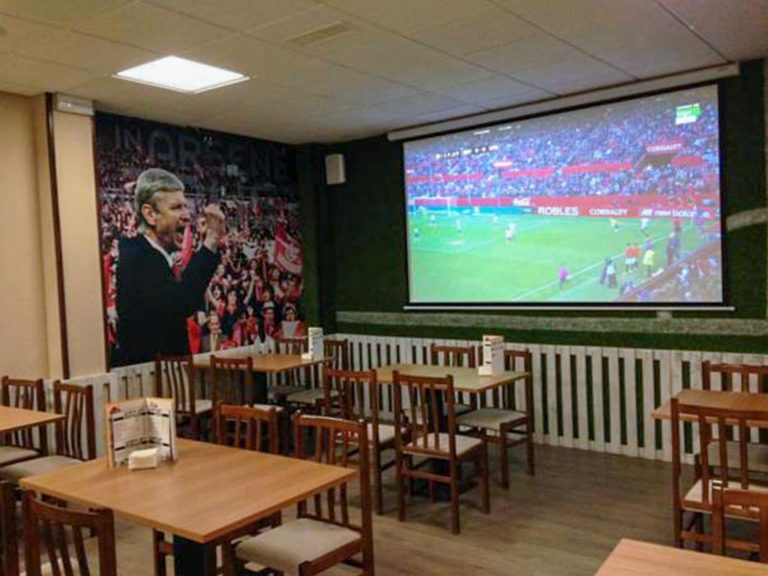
x=478 y=264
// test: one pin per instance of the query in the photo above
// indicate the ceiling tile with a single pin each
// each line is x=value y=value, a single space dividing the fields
x=279 y=32
x=574 y=68
x=60 y=12
x=410 y=63
x=587 y=83
x=238 y=14
x=23 y=89
x=22 y=36
x=404 y=15
x=477 y=31
x=738 y=30
x=531 y=52
x=153 y=28
x=458 y=112
x=114 y=92
x=476 y=92
x=531 y=95
x=52 y=77
x=418 y=104
x=90 y=53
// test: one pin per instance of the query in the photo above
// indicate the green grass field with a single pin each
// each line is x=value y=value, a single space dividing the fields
x=479 y=265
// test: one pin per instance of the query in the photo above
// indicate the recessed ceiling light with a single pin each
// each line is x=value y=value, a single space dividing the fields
x=181 y=75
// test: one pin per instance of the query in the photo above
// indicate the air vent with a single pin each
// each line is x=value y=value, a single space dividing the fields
x=321 y=34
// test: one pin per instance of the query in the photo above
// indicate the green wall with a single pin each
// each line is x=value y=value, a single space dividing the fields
x=361 y=261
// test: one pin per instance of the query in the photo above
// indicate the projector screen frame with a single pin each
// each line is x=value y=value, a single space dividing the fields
x=588 y=306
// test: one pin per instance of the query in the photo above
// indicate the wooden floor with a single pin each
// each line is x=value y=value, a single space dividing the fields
x=563 y=522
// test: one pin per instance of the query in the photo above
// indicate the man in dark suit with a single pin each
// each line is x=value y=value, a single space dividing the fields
x=155 y=297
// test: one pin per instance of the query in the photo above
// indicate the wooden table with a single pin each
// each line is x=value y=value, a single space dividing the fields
x=208 y=493
x=464 y=379
x=633 y=558
x=13 y=419
x=264 y=363
x=737 y=401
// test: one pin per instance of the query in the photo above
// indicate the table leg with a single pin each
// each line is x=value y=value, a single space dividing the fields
x=259 y=392
x=192 y=558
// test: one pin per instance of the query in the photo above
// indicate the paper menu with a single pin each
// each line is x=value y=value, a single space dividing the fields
x=493 y=356
x=139 y=424
x=314 y=344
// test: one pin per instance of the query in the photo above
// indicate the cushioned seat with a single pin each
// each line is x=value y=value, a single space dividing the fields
x=13 y=453
x=463 y=444
x=203 y=405
x=757 y=456
x=291 y=544
x=16 y=472
x=695 y=493
x=311 y=396
x=266 y=407
x=489 y=418
x=285 y=390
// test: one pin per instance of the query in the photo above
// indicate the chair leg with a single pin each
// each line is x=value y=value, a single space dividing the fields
x=194 y=426
x=485 y=478
x=455 y=497
x=504 y=460
x=158 y=554
x=400 y=488
x=529 y=448
x=678 y=527
x=699 y=523
x=377 y=480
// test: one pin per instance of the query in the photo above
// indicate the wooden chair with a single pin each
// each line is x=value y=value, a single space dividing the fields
x=758 y=453
x=338 y=351
x=243 y=427
x=430 y=417
x=747 y=504
x=232 y=379
x=355 y=396
x=174 y=378
x=20 y=445
x=291 y=382
x=503 y=425
x=323 y=534
x=696 y=498
x=75 y=435
x=45 y=527
x=456 y=357
x=312 y=398
x=9 y=545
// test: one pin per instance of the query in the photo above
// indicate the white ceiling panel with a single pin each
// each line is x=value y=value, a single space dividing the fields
x=22 y=36
x=60 y=12
x=477 y=31
x=238 y=14
x=419 y=104
x=531 y=95
x=22 y=89
x=536 y=51
x=53 y=77
x=404 y=15
x=574 y=68
x=483 y=90
x=281 y=31
x=122 y=93
x=152 y=28
x=739 y=30
x=408 y=62
x=458 y=112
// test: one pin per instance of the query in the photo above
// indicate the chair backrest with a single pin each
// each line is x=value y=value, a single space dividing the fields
x=454 y=356
x=231 y=377
x=337 y=442
x=519 y=360
x=708 y=419
x=45 y=527
x=746 y=504
x=338 y=350
x=291 y=345
x=727 y=373
x=9 y=544
x=425 y=405
x=174 y=379
x=27 y=394
x=246 y=427
x=352 y=395
x=76 y=404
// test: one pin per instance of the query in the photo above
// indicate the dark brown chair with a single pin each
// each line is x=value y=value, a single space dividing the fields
x=747 y=504
x=324 y=533
x=695 y=498
x=75 y=435
x=456 y=357
x=174 y=378
x=21 y=445
x=45 y=528
x=290 y=382
x=9 y=544
x=355 y=396
x=502 y=424
x=338 y=352
x=232 y=379
x=430 y=417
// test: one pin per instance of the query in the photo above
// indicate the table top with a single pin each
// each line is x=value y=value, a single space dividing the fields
x=633 y=558
x=464 y=379
x=208 y=493
x=736 y=401
x=12 y=419
x=268 y=363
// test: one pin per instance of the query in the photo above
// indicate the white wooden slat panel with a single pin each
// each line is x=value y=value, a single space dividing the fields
x=630 y=402
x=580 y=389
x=538 y=396
x=715 y=379
x=553 y=437
x=695 y=360
x=614 y=399
x=598 y=412
x=566 y=400
x=677 y=358
x=753 y=385
x=664 y=358
x=649 y=404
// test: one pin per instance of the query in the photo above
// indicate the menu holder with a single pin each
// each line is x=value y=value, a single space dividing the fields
x=140 y=424
x=493 y=356
x=314 y=344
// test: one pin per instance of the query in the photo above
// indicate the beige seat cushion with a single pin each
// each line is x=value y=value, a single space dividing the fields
x=695 y=494
x=291 y=544
x=12 y=453
x=463 y=444
x=267 y=407
x=203 y=405
x=311 y=396
x=16 y=472
x=757 y=456
x=459 y=409
x=284 y=390
x=489 y=418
